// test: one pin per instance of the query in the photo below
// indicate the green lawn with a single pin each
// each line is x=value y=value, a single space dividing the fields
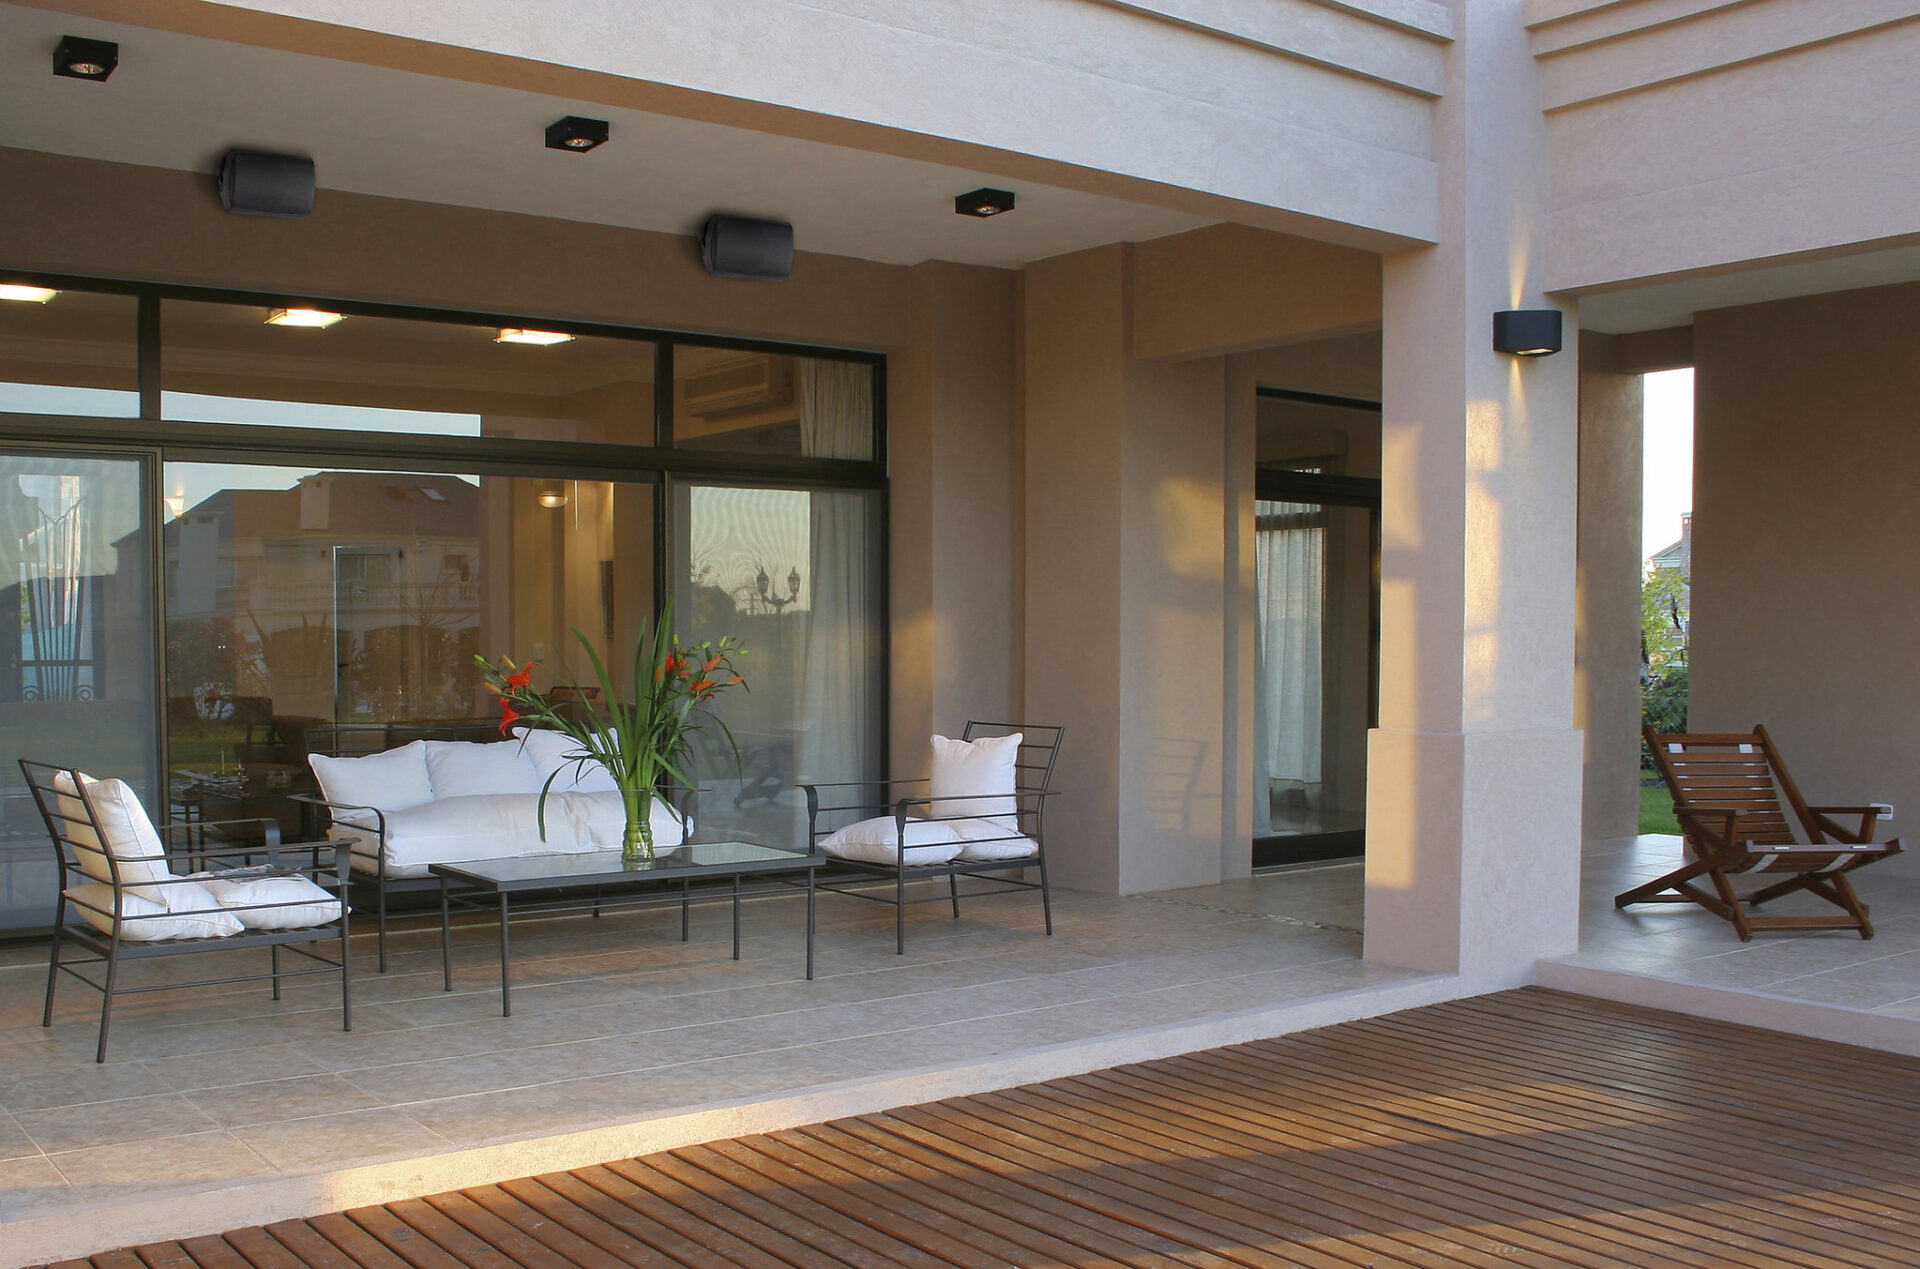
x=1656 y=811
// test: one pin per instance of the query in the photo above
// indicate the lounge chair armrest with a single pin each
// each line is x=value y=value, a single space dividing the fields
x=1869 y=817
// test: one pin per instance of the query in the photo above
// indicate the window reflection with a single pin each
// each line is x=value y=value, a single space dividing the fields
x=771 y=403
x=71 y=354
x=223 y=363
x=299 y=597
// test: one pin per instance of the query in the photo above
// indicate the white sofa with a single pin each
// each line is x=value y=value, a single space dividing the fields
x=445 y=801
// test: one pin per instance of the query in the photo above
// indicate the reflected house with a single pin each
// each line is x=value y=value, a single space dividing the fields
x=352 y=597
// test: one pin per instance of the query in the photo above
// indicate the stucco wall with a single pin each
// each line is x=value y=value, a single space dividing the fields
x=1691 y=134
x=1806 y=546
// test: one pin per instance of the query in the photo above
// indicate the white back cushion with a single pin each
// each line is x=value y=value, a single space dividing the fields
x=392 y=781
x=980 y=773
x=465 y=768
x=555 y=754
x=881 y=840
x=129 y=834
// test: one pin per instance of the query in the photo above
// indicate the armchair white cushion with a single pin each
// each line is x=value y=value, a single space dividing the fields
x=392 y=780
x=296 y=902
x=129 y=834
x=978 y=775
x=190 y=912
x=992 y=839
x=880 y=840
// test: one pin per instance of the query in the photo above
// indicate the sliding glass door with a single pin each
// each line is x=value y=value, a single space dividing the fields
x=795 y=574
x=77 y=673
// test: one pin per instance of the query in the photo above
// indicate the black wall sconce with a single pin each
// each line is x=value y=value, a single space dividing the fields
x=1527 y=332
x=77 y=58
x=576 y=133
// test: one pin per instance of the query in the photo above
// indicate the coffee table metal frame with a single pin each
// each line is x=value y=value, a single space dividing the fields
x=599 y=872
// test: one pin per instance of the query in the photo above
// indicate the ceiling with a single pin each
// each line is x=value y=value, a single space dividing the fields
x=180 y=101
x=1658 y=305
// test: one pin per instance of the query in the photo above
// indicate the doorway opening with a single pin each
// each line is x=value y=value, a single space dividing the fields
x=1317 y=610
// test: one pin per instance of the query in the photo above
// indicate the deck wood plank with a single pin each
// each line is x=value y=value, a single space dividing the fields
x=1525 y=1128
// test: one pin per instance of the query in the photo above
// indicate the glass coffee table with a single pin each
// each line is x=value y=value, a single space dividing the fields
x=600 y=880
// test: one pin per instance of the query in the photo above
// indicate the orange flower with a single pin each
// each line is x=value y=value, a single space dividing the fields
x=508 y=715
x=523 y=678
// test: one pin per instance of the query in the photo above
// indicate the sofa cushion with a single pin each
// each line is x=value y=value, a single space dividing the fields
x=392 y=780
x=129 y=834
x=190 y=912
x=266 y=902
x=555 y=754
x=501 y=825
x=466 y=768
x=879 y=841
x=978 y=775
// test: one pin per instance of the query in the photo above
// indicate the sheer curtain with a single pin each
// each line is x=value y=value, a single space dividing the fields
x=1290 y=568
x=840 y=687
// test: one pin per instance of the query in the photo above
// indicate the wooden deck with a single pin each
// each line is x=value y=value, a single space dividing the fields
x=1526 y=1128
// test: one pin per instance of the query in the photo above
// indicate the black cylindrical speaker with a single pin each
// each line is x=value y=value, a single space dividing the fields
x=255 y=183
x=736 y=247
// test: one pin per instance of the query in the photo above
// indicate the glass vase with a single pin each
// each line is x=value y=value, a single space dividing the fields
x=636 y=839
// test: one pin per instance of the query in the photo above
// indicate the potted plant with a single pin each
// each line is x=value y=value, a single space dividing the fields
x=640 y=736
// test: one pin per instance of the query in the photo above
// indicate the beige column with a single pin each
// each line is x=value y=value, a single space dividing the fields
x=1131 y=581
x=1473 y=813
x=1607 y=657
x=955 y=587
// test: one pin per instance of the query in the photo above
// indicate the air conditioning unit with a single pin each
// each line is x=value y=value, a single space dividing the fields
x=745 y=385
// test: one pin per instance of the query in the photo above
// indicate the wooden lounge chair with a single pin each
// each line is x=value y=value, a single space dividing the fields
x=1727 y=792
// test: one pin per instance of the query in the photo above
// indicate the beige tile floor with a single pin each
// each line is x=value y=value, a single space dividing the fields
x=1684 y=944
x=615 y=1021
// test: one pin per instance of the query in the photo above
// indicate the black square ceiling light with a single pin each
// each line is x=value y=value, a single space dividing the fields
x=77 y=58
x=576 y=133
x=984 y=202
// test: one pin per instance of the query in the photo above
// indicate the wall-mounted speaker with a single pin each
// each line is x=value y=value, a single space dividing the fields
x=736 y=247
x=255 y=183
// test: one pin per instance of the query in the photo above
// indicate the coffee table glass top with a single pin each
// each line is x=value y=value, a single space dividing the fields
x=589 y=867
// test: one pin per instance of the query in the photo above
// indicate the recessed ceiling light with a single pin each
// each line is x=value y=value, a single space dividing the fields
x=576 y=134
x=26 y=294
x=984 y=202
x=513 y=335
x=319 y=319
x=553 y=496
x=75 y=58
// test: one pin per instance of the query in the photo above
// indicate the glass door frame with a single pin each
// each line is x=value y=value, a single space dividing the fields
x=1320 y=489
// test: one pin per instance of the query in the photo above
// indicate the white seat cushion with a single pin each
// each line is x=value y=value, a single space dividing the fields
x=465 y=768
x=501 y=825
x=392 y=780
x=991 y=840
x=879 y=841
x=129 y=834
x=295 y=902
x=191 y=912
x=555 y=754
x=978 y=775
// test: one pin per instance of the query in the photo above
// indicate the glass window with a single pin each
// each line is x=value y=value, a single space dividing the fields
x=77 y=674
x=68 y=352
x=302 y=596
x=771 y=403
x=227 y=363
x=794 y=574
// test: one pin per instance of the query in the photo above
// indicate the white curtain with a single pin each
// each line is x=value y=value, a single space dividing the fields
x=1290 y=567
x=839 y=690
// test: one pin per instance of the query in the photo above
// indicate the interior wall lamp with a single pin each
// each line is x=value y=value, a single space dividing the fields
x=553 y=496
x=77 y=58
x=573 y=132
x=1527 y=332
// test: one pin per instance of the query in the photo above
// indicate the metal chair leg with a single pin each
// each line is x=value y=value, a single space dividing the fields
x=953 y=891
x=53 y=959
x=273 y=957
x=106 y=998
x=899 y=911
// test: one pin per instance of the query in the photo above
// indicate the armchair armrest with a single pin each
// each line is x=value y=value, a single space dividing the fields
x=269 y=828
x=1869 y=818
x=314 y=799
